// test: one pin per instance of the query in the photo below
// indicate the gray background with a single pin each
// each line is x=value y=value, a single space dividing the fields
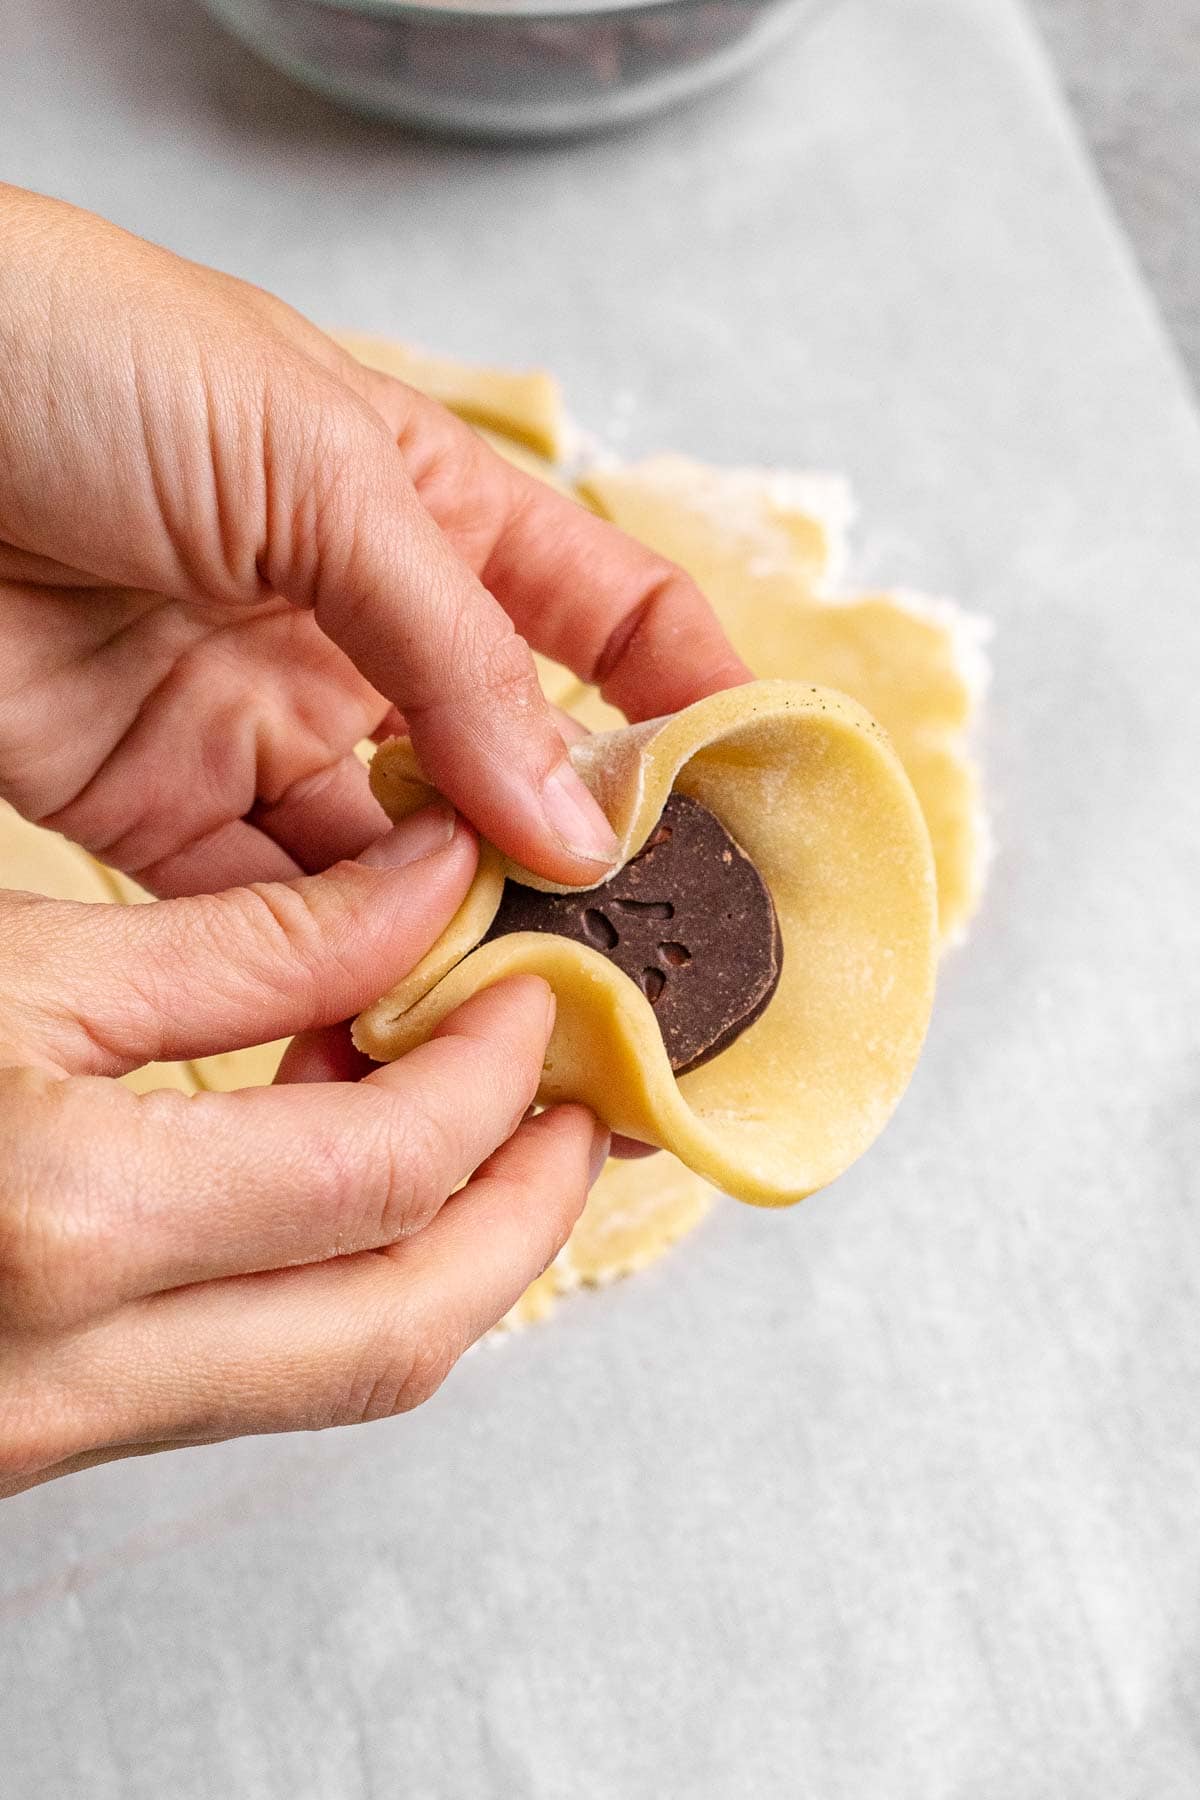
x=893 y=1495
x=1132 y=70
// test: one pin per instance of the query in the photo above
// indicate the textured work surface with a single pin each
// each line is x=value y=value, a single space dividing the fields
x=893 y=1495
x=1132 y=70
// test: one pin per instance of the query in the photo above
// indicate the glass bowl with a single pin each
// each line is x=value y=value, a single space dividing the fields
x=510 y=68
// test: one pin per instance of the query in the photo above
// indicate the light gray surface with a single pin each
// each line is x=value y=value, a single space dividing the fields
x=894 y=1495
x=1132 y=70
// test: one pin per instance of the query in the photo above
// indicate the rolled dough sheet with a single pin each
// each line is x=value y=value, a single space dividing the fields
x=523 y=404
x=807 y=783
x=915 y=663
x=636 y=1210
x=768 y=547
x=42 y=862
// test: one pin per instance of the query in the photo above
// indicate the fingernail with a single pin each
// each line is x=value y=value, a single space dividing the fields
x=551 y=1011
x=600 y=1143
x=423 y=833
x=575 y=817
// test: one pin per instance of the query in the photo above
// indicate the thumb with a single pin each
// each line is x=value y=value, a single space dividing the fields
x=349 y=537
x=104 y=989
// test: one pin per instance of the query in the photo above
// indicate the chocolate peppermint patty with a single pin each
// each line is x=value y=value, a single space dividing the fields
x=689 y=918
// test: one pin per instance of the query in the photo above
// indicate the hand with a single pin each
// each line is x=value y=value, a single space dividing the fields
x=176 y=1270
x=227 y=552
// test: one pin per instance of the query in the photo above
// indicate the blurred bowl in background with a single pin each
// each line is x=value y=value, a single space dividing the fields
x=511 y=68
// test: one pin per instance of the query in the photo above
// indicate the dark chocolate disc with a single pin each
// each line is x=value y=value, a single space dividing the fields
x=689 y=918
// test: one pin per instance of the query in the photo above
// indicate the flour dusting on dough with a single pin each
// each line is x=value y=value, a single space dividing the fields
x=969 y=634
x=782 y=523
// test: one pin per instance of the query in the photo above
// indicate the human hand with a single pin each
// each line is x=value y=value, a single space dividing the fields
x=228 y=551
x=178 y=1269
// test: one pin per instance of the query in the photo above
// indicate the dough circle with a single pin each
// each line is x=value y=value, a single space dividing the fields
x=765 y=545
x=807 y=784
x=916 y=664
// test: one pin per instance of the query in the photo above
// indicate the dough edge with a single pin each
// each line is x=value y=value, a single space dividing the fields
x=607 y=1050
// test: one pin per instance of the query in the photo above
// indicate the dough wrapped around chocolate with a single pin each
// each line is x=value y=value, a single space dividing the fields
x=688 y=918
x=811 y=793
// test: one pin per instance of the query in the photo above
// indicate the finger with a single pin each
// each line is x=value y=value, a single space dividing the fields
x=212 y=1185
x=349 y=538
x=639 y=628
x=113 y=987
x=352 y=1339
x=323 y=818
x=37 y=1475
x=631 y=1149
x=234 y=853
x=572 y=731
x=391 y=725
x=325 y=1055
x=575 y=586
x=508 y=1224
x=261 y=718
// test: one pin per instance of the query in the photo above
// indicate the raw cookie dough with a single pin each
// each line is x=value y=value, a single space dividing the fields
x=915 y=664
x=730 y=537
x=227 y=1069
x=806 y=783
x=42 y=862
x=522 y=404
x=38 y=861
x=45 y=863
x=635 y=1212
x=771 y=529
x=725 y=527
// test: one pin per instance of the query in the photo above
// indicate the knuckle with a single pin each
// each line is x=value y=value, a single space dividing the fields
x=333 y=1163
x=658 y=595
x=417 y=1168
x=401 y=1369
x=315 y=432
x=60 y=1254
x=38 y=1244
x=388 y=1177
x=283 y=936
x=30 y=1297
x=497 y=663
x=427 y=1364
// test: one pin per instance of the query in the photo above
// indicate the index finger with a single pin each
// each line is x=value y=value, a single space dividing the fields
x=576 y=588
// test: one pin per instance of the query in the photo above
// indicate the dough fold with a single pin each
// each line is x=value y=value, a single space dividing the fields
x=808 y=785
x=767 y=546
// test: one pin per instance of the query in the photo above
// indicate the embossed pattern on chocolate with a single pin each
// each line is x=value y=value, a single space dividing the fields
x=688 y=918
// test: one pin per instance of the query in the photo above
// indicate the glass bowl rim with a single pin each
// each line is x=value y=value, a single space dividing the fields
x=520 y=11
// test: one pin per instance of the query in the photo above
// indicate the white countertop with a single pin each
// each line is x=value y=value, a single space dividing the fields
x=892 y=1497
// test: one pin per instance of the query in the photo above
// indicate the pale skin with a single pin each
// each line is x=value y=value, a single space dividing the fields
x=228 y=553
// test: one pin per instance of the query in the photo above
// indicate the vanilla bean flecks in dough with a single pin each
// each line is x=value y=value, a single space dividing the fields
x=807 y=785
